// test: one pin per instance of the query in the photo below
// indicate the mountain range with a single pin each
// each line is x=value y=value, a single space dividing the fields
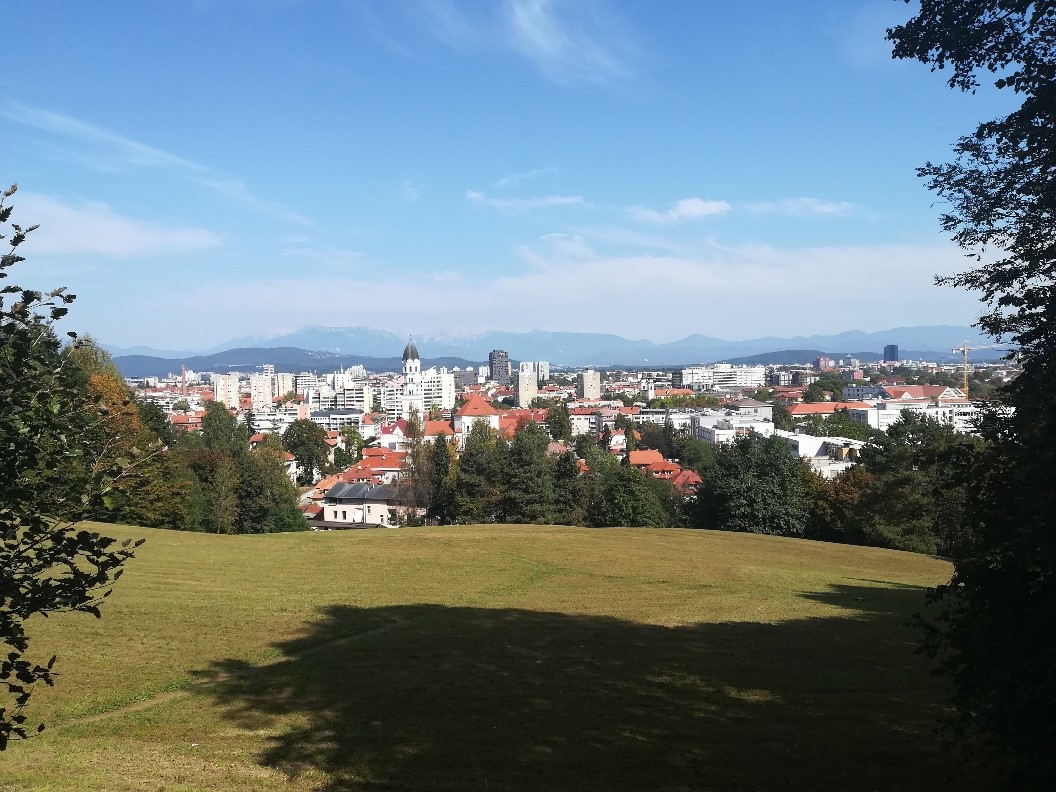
x=328 y=348
x=598 y=349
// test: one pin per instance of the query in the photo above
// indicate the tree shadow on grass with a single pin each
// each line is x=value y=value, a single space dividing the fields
x=435 y=697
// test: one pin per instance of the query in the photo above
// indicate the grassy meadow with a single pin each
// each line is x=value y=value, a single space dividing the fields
x=492 y=658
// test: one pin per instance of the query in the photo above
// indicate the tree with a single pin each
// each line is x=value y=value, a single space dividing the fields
x=995 y=631
x=559 y=422
x=354 y=442
x=216 y=473
x=181 y=406
x=756 y=486
x=528 y=493
x=415 y=476
x=306 y=440
x=627 y=499
x=477 y=487
x=443 y=508
x=911 y=499
x=47 y=565
x=567 y=492
x=154 y=418
x=222 y=432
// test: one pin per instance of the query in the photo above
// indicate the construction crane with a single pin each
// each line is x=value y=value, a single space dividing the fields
x=964 y=349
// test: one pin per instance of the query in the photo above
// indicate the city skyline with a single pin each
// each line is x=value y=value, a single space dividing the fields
x=423 y=167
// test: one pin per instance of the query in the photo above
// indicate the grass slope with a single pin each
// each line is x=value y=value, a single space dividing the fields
x=491 y=658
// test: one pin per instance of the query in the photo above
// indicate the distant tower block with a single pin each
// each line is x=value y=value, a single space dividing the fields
x=891 y=353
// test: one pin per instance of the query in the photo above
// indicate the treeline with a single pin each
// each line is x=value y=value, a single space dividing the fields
x=208 y=481
x=904 y=493
x=498 y=481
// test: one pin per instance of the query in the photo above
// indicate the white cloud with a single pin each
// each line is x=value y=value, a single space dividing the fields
x=96 y=229
x=324 y=255
x=732 y=292
x=570 y=42
x=517 y=178
x=409 y=190
x=522 y=205
x=685 y=209
x=801 y=207
x=617 y=235
x=109 y=151
x=572 y=245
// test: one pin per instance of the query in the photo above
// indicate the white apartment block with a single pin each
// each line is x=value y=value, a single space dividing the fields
x=728 y=428
x=526 y=384
x=262 y=390
x=285 y=383
x=306 y=381
x=960 y=415
x=588 y=385
x=226 y=389
x=720 y=376
x=335 y=420
x=358 y=396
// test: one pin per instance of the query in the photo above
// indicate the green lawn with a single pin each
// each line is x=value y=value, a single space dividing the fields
x=493 y=658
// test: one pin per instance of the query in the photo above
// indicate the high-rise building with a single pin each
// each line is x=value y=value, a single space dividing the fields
x=262 y=389
x=891 y=353
x=542 y=368
x=499 y=366
x=226 y=389
x=588 y=385
x=284 y=383
x=526 y=386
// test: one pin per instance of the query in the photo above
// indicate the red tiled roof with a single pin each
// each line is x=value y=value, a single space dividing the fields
x=687 y=480
x=824 y=408
x=476 y=406
x=645 y=458
x=434 y=428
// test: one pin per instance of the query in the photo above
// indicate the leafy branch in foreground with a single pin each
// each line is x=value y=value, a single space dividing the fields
x=47 y=565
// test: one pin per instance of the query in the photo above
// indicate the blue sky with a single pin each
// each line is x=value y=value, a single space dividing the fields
x=204 y=169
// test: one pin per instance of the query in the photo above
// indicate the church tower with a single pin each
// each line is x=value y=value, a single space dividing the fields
x=412 y=364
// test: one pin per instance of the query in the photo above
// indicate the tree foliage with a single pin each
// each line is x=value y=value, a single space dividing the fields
x=47 y=565
x=757 y=486
x=995 y=632
x=306 y=440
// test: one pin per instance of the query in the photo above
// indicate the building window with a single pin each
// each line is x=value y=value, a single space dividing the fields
x=343 y=514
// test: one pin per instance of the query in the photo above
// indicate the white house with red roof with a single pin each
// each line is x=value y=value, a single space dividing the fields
x=476 y=408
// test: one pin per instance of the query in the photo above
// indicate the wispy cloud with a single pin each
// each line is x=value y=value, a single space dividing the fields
x=582 y=287
x=445 y=21
x=522 y=205
x=409 y=190
x=110 y=151
x=330 y=256
x=570 y=42
x=519 y=178
x=801 y=207
x=626 y=238
x=96 y=229
x=686 y=209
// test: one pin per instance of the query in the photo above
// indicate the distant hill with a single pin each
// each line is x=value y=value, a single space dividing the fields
x=598 y=349
x=290 y=359
x=793 y=357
